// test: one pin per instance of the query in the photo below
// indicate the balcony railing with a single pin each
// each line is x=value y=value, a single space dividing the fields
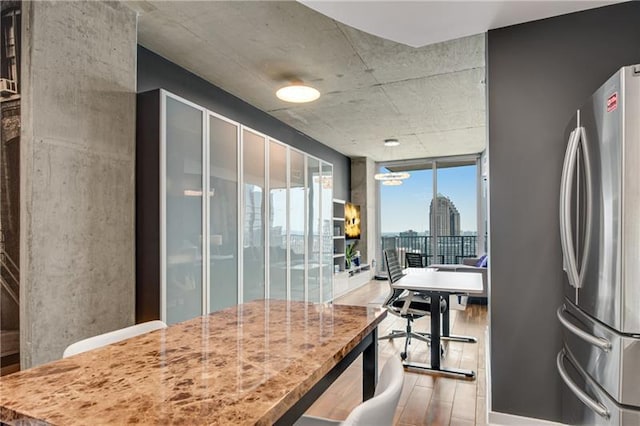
x=449 y=250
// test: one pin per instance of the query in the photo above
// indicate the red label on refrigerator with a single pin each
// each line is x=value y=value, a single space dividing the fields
x=612 y=102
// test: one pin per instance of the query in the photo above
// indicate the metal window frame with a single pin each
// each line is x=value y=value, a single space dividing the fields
x=435 y=163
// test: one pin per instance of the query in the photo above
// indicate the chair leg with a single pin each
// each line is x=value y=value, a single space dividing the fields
x=404 y=354
x=394 y=335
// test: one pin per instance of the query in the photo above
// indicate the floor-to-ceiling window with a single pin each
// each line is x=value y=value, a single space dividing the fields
x=433 y=212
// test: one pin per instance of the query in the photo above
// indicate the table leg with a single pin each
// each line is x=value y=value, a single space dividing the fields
x=435 y=366
x=445 y=319
x=446 y=328
x=435 y=331
x=368 y=347
x=370 y=367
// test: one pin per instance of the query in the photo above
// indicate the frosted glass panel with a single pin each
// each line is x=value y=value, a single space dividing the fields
x=223 y=214
x=183 y=196
x=253 y=221
x=277 y=221
x=327 y=231
x=314 y=237
x=297 y=223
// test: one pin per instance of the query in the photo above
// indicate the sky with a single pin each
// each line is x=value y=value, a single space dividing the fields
x=406 y=206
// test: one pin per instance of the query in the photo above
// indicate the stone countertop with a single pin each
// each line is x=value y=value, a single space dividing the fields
x=243 y=365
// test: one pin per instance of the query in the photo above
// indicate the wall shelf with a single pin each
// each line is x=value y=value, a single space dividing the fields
x=344 y=280
x=339 y=242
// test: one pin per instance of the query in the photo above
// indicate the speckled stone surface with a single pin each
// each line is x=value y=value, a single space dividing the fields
x=244 y=365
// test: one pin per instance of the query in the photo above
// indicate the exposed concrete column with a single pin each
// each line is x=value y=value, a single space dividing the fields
x=77 y=174
x=364 y=193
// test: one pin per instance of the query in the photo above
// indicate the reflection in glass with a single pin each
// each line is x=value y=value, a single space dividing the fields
x=223 y=214
x=277 y=221
x=254 y=224
x=183 y=211
x=314 y=226
x=297 y=223
x=327 y=231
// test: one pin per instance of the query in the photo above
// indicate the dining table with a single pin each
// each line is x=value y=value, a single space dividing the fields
x=438 y=285
x=258 y=363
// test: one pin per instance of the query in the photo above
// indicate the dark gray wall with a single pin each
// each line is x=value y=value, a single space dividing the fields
x=155 y=72
x=539 y=73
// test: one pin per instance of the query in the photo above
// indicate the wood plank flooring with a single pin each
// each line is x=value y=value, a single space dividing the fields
x=426 y=399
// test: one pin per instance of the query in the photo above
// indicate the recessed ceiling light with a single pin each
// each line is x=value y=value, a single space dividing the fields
x=298 y=93
x=391 y=142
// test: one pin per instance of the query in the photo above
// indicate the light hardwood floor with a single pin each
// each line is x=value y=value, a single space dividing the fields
x=426 y=399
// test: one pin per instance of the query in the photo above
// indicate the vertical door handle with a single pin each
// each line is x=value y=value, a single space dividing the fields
x=582 y=141
x=566 y=183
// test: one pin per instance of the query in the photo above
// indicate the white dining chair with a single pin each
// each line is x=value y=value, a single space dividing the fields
x=112 y=337
x=377 y=411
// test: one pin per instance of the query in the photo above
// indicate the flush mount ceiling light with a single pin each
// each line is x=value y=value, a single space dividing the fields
x=298 y=93
x=391 y=178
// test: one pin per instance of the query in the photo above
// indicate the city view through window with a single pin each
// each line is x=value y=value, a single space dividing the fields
x=408 y=215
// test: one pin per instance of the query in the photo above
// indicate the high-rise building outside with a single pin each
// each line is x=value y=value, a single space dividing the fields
x=409 y=233
x=445 y=221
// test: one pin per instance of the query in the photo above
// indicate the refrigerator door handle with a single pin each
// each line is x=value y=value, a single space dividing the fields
x=582 y=139
x=596 y=406
x=566 y=240
x=598 y=342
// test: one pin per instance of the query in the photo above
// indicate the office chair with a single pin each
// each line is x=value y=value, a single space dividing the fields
x=112 y=337
x=405 y=304
x=378 y=410
x=413 y=260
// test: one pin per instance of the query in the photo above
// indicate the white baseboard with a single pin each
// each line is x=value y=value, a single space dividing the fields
x=503 y=419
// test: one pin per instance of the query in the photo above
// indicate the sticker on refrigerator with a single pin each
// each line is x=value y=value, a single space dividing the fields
x=612 y=102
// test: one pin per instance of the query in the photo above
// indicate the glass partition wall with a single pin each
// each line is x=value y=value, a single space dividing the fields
x=223 y=212
x=262 y=218
x=183 y=205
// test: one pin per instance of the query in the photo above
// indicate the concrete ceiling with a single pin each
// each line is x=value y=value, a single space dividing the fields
x=431 y=98
x=419 y=23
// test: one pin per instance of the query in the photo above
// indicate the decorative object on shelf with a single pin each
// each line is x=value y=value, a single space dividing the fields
x=352 y=221
x=349 y=254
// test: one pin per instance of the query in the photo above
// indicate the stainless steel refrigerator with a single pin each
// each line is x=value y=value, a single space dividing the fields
x=599 y=363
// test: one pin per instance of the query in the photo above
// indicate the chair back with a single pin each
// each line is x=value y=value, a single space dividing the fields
x=112 y=337
x=414 y=260
x=394 y=270
x=381 y=409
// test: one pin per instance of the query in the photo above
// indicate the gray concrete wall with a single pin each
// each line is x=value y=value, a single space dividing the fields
x=365 y=193
x=539 y=73
x=77 y=174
